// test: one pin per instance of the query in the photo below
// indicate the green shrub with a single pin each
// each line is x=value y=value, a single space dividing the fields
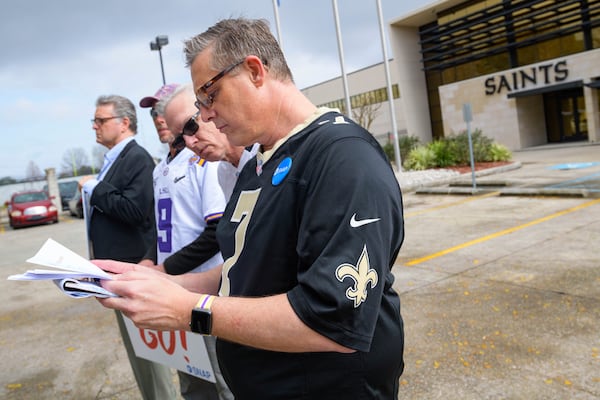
x=388 y=149
x=405 y=143
x=454 y=151
x=420 y=158
x=444 y=152
x=481 y=146
x=499 y=152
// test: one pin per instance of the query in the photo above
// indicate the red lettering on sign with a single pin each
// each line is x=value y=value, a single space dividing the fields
x=153 y=338
x=153 y=342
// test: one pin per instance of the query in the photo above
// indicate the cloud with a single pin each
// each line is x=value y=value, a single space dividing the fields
x=58 y=56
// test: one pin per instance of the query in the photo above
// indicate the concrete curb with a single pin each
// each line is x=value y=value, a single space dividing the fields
x=501 y=186
x=429 y=184
x=548 y=192
x=510 y=191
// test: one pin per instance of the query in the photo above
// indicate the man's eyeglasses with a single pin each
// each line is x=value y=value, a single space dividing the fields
x=189 y=129
x=100 y=121
x=202 y=97
x=191 y=126
x=153 y=113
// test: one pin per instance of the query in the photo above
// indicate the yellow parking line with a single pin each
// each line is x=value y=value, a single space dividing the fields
x=500 y=233
x=454 y=203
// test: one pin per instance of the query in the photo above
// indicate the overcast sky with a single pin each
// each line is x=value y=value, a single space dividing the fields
x=58 y=56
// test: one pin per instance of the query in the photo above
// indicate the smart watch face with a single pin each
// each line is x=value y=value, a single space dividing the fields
x=201 y=321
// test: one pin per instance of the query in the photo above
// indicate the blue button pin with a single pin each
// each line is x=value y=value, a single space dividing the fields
x=281 y=171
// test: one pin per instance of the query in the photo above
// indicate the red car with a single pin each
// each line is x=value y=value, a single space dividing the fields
x=32 y=207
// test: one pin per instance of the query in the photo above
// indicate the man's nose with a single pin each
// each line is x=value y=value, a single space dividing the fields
x=207 y=114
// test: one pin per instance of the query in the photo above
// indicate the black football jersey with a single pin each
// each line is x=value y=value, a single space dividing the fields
x=319 y=218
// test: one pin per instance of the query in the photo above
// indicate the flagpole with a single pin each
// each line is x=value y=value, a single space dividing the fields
x=389 y=88
x=277 y=26
x=341 y=53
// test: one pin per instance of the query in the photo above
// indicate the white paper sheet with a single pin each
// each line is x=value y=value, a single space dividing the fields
x=73 y=274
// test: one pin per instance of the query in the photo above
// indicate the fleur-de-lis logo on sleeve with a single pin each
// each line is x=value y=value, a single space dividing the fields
x=361 y=274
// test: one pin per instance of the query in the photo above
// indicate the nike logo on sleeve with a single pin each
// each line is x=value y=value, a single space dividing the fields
x=354 y=223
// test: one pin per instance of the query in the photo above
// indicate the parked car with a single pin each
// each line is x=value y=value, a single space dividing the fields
x=75 y=206
x=67 y=191
x=33 y=207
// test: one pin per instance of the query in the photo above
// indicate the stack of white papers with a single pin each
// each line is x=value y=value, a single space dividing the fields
x=74 y=275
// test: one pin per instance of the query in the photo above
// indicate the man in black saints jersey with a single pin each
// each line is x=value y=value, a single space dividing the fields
x=303 y=307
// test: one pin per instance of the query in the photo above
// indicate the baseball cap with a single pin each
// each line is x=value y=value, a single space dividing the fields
x=150 y=101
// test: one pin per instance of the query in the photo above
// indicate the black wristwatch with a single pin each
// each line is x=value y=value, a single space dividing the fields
x=201 y=321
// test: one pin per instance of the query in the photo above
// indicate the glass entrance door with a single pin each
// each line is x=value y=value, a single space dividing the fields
x=571 y=116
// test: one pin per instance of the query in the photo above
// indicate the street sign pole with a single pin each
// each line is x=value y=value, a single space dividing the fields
x=468 y=117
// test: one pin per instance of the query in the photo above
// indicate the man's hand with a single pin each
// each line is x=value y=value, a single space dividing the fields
x=117 y=267
x=148 y=298
x=83 y=180
x=159 y=268
x=147 y=263
x=150 y=264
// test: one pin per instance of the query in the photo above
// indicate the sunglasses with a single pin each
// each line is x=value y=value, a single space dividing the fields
x=191 y=126
x=153 y=113
x=202 y=97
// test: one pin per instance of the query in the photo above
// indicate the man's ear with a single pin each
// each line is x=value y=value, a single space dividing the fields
x=257 y=70
x=126 y=121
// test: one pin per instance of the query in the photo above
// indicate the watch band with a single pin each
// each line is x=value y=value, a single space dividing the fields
x=205 y=302
x=201 y=318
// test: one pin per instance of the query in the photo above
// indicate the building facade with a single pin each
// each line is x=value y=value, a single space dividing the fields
x=368 y=99
x=530 y=69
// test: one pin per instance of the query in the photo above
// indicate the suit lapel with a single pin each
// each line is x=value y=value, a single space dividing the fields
x=113 y=168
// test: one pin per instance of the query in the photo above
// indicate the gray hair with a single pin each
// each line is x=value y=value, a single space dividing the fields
x=123 y=107
x=162 y=104
x=233 y=39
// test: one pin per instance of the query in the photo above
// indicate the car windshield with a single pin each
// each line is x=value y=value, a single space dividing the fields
x=29 y=197
x=67 y=188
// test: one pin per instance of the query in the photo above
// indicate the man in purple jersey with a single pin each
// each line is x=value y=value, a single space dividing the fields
x=305 y=306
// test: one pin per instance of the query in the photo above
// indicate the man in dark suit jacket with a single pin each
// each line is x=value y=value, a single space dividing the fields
x=121 y=215
x=121 y=226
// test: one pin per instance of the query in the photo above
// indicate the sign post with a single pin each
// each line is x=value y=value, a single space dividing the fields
x=468 y=117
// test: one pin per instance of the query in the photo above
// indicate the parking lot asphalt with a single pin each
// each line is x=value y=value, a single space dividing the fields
x=500 y=294
x=500 y=287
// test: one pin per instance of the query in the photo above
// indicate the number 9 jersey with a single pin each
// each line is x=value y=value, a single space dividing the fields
x=187 y=196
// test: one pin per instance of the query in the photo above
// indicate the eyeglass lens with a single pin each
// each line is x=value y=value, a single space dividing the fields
x=191 y=126
x=203 y=98
x=100 y=121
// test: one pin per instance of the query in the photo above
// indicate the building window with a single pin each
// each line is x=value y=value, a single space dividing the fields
x=477 y=30
x=364 y=99
x=480 y=37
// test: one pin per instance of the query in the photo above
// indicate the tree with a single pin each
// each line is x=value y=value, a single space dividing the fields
x=33 y=172
x=72 y=162
x=7 y=180
x=98 y=152
x=366 y=114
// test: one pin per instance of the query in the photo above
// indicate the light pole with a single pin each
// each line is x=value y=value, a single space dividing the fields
x=158 y=44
